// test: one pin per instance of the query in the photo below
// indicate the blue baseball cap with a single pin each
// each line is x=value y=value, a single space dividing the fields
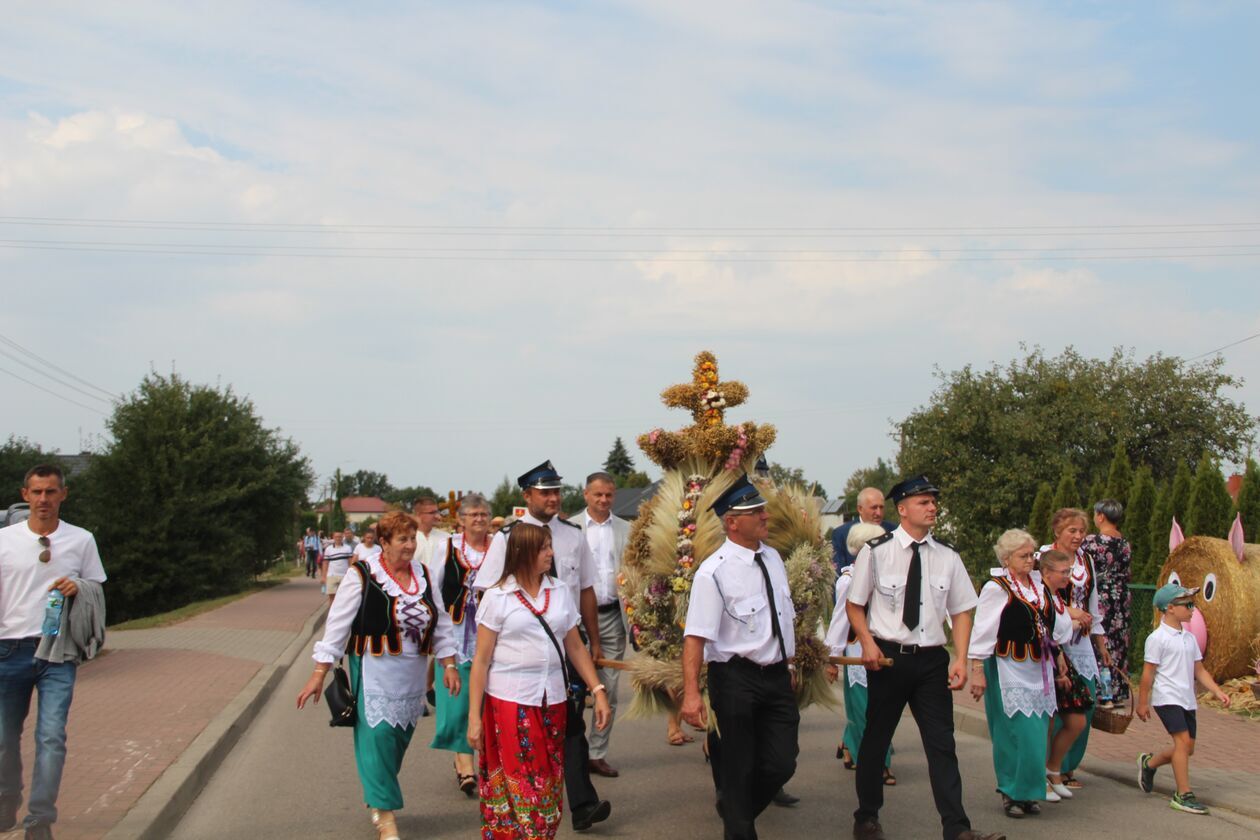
x=1170 y=593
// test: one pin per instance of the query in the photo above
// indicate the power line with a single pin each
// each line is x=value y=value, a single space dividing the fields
x=48 y=375
x=1226 y=347
x=164 y=251
x=53 y=393
x=30 y=354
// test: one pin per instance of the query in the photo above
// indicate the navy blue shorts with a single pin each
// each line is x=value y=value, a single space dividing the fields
x=1178 y=719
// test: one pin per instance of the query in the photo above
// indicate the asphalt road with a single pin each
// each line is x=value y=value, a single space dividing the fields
x=292 y=776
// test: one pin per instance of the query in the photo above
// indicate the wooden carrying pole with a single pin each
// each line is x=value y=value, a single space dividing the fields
x=619 y=665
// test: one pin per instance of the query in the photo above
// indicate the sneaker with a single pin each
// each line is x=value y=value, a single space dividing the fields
x=1186 y=802
x=1051 y=796
x=1146 y=773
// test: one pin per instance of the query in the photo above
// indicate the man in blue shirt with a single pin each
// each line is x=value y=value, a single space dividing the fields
x=870 y=508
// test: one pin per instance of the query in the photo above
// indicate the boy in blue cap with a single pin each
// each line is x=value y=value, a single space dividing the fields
x=1173 y=663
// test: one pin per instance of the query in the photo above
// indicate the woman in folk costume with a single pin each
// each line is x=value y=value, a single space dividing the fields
x=1012 y=668
x=454 y=567
x=393 y=620
x=1088 y=644
x=517 y=714
x=841 y=641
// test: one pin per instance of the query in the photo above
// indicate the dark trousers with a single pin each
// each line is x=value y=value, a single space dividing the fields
x=922 y=680
x=577 y=753
x=312 y=562
x=756 y=754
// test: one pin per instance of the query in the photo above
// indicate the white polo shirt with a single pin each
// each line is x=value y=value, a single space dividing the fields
x=362 y=552
x=24 y=581
x=338 y=559
x=1173 y=653
x=730 y=610
x=879 y=578
x=525 y=667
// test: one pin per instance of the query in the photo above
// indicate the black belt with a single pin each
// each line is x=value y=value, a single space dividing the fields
x=748 y=665
x=615 y=606
x=899 y=649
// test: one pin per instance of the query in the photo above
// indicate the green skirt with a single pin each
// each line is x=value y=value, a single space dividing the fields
x=451 y=730
x=855 y=698
x=378 y=753
x=1019 y=743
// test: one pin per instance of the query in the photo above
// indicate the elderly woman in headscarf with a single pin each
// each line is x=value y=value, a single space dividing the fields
x=393 y=619
x=841 y=641
x=1011 y=667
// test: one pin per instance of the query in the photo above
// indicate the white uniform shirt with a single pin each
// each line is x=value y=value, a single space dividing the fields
x=879 y=577
x=362 y=552
x=837 y=638
x=573 y=563
x=525 y=667
x=730 y=611
x=24 y=581
x=338 y=559
x=601 y=540
x=1174 y=653
x=427 y=546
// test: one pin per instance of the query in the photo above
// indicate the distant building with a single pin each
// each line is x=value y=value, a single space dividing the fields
x=833 y=514
x=628 y=500
x=359 y=508
x=75 y=465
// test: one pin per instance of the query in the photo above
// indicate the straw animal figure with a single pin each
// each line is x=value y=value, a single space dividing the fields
x=675 y=531
x=1226 y=620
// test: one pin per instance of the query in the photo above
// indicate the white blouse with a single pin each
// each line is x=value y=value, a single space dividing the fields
x=837 y=636
x=525 y=667
x=466 y=632
x=1028 y=686
x=393 y=684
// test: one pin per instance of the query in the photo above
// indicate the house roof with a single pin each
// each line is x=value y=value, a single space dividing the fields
x=75 y=464
x=629 y=499
x=364 y=504
x=834 y=506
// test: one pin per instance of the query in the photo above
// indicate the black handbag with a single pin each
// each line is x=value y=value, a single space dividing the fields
x=342 y=698
x=573 y=702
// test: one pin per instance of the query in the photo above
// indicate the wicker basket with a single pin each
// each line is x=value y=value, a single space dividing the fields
x=1116 y=719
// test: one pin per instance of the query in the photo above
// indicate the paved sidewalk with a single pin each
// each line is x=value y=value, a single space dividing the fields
x=139 y=705
x=1225 y=769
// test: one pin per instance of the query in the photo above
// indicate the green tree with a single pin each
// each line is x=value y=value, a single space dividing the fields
x=780 y=474
x=618 y=462
x=363 y=483
x=1097 y=491
x=17 y=455
x=1137 y=517
x=192 y=496
x=571 y=499
x=1042 y=510
x=1119 y=476
x=404 y=497
x=633 y=479
x=1179 y=499
x=506 y=496
x=1211 y=508
x=1157 y=536
x=988 y=437
x=1249 y=502
x=1066 y=492
x=883 y=475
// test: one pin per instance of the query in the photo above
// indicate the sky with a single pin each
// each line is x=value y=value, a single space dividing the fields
x=448 y=241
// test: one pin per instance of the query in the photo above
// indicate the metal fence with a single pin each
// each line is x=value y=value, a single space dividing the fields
x=1141 y=622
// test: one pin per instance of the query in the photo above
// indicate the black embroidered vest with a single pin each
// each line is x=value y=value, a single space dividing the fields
x=1018 y=637
x=376 y=624
x=454 y=593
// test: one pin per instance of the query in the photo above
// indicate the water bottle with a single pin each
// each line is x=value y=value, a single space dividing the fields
x=52 y=613
x=1104 y=684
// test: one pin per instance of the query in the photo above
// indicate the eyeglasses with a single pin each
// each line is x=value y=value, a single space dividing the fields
x=46 y=554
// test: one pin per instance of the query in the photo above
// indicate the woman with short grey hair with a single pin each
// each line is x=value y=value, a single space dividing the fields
x=1112 y=557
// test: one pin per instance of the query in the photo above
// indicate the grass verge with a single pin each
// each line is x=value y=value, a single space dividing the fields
x=274 y=577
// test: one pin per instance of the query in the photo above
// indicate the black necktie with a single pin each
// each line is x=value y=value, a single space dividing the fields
x=914 y=589
x=774 y=610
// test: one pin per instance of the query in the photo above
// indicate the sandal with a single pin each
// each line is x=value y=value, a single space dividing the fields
x=889 y=779
x=467 y=783
x=1011 y=808
x=678 y=738
x=1070 y=781
x=1031 y=808
x=842 y=753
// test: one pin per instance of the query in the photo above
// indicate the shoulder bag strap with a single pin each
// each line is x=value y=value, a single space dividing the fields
x=564 y=662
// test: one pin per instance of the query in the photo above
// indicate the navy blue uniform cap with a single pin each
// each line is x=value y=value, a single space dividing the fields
x=741 y=495
x=915 y=486
x=541 y=477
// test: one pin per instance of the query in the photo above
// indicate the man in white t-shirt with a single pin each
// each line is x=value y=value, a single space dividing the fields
x=37 y=556
x=335 y=564
x=428 y=537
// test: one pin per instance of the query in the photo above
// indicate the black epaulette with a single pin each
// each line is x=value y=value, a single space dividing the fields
x=880 y=540
x=508 y=527
x=571 y=524
x=942 y=542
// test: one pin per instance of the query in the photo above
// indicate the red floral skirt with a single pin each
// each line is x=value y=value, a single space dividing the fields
x=521 y=770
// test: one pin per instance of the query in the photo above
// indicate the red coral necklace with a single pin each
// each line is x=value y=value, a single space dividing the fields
x=546 y=602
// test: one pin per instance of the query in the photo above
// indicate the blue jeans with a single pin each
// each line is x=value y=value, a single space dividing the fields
x=20 y=675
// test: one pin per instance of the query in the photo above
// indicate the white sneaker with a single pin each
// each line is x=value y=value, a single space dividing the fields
x=1058 y=787
x=1051 y=796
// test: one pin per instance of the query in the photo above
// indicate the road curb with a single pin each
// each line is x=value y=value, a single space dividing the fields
x=162 y=806
x=974 y=723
